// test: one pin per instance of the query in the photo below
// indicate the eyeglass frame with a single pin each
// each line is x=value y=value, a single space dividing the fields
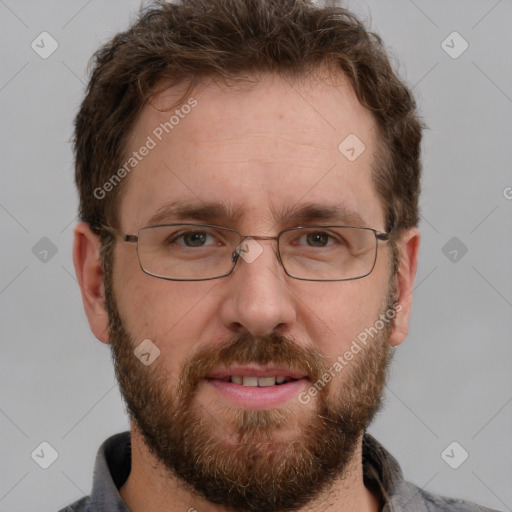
x=129 y=238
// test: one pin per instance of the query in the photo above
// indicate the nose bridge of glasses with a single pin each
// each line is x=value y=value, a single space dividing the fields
x=258 y=237
x=249 y=248
x=244 y=239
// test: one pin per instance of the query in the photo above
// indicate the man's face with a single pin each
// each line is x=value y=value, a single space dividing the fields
x=266 y=154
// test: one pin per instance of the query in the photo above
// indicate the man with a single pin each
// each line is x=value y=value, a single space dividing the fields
x=249 y=178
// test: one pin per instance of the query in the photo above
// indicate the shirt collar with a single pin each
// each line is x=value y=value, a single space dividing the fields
x=383 y=470
x=111 y=470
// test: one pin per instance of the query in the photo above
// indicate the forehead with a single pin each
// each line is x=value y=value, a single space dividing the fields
x=259 y=153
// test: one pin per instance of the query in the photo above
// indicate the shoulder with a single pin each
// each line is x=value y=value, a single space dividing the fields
x=81 y=505
x=435 y=503
x=398 y=495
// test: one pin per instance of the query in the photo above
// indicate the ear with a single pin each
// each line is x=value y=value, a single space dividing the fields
x=408 y=246
x=86 y=257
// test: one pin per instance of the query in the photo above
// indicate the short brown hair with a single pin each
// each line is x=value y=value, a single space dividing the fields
x=229 y=40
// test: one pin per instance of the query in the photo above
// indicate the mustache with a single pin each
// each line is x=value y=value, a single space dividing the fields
x=248 y=349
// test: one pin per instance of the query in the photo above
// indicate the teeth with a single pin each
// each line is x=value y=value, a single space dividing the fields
x=266 y=381
x=250 y=381
x=257 y=381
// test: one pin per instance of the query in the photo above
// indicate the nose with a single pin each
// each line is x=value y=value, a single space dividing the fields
x=258 y=298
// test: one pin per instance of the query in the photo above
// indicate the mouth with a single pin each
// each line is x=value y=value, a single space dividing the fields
x=256 y=387
x=262 y=382
x=254 y=376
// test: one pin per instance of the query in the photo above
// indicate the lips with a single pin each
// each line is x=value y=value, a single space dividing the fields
x=256 y=387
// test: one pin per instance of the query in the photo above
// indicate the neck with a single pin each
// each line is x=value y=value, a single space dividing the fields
x=151 y=487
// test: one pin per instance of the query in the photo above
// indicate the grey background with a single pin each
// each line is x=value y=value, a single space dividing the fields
x=451 y=379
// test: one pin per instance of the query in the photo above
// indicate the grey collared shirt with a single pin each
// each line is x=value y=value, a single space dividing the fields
x=381 y=473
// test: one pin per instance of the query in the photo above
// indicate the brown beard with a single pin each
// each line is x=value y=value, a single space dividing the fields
x=235 y=458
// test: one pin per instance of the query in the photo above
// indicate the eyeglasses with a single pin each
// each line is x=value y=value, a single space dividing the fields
x=200 y=252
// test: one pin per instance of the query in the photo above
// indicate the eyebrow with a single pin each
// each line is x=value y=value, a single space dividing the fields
x=314 y=212
x=194 y=210
x=225 y=214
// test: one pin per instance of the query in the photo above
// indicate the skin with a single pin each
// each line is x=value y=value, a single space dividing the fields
x=258 y=150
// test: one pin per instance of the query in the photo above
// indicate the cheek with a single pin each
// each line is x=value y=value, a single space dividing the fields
x=171 y=314
x=334 y=314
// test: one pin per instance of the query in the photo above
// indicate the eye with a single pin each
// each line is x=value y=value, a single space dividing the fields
x=316 y=239
x=194 y=239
